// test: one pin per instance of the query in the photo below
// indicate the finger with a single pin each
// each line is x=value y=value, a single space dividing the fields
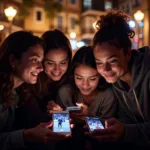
x=57 y=135
x=80 y=105
x=85 y=127
x=103 y=131
x=72 y=126
x=110 y=122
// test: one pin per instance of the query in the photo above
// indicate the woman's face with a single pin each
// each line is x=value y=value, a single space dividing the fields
x=30 y=64
x=56 y=64
x=111 y=61
x=86 y=79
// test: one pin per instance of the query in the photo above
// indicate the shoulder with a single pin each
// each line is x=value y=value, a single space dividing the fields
x=66 y=88
x=106 y=94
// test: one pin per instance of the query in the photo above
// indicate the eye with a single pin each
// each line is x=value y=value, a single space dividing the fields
x=98 y=64
x=113 y=61
x=34 y=60
x=49 y=63
x=63 y=63
x=78 y=78
x=93 y=79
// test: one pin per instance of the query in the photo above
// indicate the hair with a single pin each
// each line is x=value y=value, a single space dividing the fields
x=84 y=56
x=15 y=44
x=114 y=29
x=53 y=40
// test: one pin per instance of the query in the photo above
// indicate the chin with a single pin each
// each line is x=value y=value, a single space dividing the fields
x=111 y=80
x=56 y=79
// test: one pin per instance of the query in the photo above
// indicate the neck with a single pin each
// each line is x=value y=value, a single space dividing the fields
x=127 y=78
x=88 y=99
x=17 y=81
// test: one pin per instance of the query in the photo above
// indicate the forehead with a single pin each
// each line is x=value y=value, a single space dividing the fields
x=106 y=50
x=84 y=70
x=35 y=50
x=56 y=54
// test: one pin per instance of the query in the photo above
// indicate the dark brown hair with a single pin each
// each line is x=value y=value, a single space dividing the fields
x=15 y=44
x=114 y=29
x=52 y=40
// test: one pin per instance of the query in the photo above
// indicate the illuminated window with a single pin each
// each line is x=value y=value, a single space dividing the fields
x=38 y=15
x=108 y=5
x=87 y=4
x=72 y=2
x=73 y=21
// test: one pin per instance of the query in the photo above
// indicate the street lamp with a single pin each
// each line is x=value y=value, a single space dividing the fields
x=10 y=13
x=139 y=16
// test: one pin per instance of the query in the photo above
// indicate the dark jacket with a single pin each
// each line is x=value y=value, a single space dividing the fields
x=8 y=137
x=135 y=102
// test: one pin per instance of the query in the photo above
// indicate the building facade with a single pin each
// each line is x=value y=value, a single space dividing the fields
x=142 y=29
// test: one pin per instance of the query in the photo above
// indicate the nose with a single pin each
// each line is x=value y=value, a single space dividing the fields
x=40 y=66
x=85 y=83
x=106 y=67
x=56 y=67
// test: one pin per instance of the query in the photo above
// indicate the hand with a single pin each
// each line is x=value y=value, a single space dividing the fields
x=42 y=134
x=113 y=131
x=84 y=111
x=53 y=106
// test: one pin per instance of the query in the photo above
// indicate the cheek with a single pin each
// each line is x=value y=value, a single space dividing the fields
x=48 y=68
x=77 y=83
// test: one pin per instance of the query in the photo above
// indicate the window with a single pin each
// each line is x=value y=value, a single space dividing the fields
x=38 y=15
x=60 y=1
x=73 y=21
x=72 y=2
x=108 y=5
x=87 y=4
x=60 y=22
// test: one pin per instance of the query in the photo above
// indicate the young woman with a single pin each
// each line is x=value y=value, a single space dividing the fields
x=21 y=55
x=57 y=59
x=86 y=88
x=128 y=71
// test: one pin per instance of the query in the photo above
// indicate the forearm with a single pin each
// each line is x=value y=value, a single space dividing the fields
x=12 y=139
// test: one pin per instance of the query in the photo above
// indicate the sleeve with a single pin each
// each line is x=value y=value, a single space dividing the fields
x=64 y=97
x=138 y=134
x=108 y=105
x=9 y=139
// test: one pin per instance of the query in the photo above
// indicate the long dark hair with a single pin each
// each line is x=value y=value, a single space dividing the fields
x=15 y=44
x=52 y=40
x=114 y=29
x=84 y=56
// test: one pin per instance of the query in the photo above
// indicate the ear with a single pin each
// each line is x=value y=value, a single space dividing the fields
x=13 y=61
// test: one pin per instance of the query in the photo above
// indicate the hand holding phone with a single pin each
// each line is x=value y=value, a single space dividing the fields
x=61 y=122
x=94 y=123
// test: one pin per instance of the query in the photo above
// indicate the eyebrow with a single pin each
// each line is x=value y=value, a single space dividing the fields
x=108 y=57
x=34 y=54
x=54 y=61
x=82 y=76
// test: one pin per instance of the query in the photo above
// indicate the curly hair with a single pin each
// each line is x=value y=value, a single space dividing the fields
x=15 y=44
x=114 y=29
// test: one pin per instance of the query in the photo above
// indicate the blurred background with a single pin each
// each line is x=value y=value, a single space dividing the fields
x=76 y=18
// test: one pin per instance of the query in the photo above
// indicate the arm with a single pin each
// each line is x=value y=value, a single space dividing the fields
x=64 y=97
x=108 y=105
x=12 y=140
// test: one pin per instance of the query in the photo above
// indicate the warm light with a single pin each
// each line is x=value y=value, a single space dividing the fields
x=73 y=35
x=95 y=26
x=139 y=16
x=1 y=27
x=131 y=24
x=10 y=12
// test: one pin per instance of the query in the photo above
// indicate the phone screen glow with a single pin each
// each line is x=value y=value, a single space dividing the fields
x=61 y=122
x=94 y=123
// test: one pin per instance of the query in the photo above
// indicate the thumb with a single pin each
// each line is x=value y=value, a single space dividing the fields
x=80 y=105
x=110 y=122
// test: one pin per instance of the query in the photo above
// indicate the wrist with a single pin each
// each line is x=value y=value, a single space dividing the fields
x=27 y=135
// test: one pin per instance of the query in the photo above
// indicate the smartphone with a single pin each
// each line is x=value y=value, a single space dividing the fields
x=73 y=108
x=61 y=122
x=94 y=123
